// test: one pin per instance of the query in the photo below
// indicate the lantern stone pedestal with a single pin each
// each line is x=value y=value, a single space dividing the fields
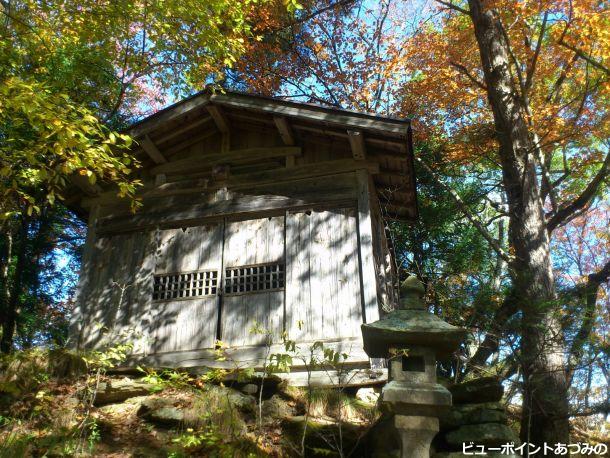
x=412 y=339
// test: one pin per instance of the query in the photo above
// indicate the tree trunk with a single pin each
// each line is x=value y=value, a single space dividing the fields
x=10 y=312
x=545 y=403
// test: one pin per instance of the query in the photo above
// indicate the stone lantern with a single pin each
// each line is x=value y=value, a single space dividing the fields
x=413 y=339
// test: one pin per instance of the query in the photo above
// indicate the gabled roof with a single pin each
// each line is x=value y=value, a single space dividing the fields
x=275 y=106
x=384 y=140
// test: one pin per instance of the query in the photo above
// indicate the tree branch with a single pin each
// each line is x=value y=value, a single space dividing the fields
x=584 y=56
x=567 y=211
x=464 y=208
x=491 y=342
x=471 y=77
x=453 y=6
x=590 y=290
x=529 y=77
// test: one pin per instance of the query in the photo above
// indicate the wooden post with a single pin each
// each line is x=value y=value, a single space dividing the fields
x=368 y=282
x=76 y=321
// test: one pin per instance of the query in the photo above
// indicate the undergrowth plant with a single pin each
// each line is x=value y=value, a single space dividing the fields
x=314 y=357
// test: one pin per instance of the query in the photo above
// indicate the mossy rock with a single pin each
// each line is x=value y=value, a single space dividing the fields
x=484 y=389
x=318 y=433
x=116 y=391
x=381 y=440
x=487 y=434
x=276 y=408
x=471 y=414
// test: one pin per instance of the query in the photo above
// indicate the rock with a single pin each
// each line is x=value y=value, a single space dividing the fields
x=115 y=391
x=161 y=411
x=367 y=395
x=318 y=433
x=485 y=389
x=487 y=434
x=467 y=414
x=276 y=408
x=249 y=388
x=242 y=402
x=124 y=409
x=66 y=364
x=381 y=441
x=168 y=416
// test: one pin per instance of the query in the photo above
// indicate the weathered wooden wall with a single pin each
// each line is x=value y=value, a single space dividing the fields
x=311 y=209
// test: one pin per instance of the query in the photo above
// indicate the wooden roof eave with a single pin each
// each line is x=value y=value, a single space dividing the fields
x=379 y=132
x=341 y=118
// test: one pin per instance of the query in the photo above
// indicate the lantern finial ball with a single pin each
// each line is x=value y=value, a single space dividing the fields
x=412 y=293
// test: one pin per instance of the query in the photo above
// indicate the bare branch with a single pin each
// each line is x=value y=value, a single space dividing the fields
x=464 y=208
x=529 y=77
x=453 y=6
x=462 y=69
x=589 y=291
x=586 y=57
x=567 y=211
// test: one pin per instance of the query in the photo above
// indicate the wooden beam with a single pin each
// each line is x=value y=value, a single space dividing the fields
x=194 y=214
x=250 y=356
x=397 y=145
x=120 y=206
x=190 y=142
x=368 y=276
x=222 y=123
x=177 y=132
x=160 y=179
x=334 y=379
x=356 y=142
x=317 y=169
x=219 y=118
x=331 y=116
x=208 y=161
x=151 y=149
x=285 y=130
x=180 y=109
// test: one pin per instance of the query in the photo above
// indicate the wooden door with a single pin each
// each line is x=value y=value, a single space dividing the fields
x=323 y=299
x=253 y=283
x=184 y=311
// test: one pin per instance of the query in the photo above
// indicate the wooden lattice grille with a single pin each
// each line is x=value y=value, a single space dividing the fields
x=185 y=285
x=248 y=279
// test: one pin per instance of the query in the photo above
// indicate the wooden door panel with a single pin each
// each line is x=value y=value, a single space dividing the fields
x=185 y=324
x=253 y=262
x=184 y=314
x=254 y=241
x=242 y=311
x=322 y=275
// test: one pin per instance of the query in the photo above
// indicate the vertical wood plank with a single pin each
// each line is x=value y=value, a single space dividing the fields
x=140 y=317
x=298 y=275
x=365 y=242
x=84 y=283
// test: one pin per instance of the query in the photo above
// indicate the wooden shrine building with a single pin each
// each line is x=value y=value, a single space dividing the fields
x=255 y=211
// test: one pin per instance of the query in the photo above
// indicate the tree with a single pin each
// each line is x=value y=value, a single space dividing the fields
x=74 y=72
x=519 y=88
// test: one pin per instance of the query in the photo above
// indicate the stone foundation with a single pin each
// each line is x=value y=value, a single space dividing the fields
x=477 y=417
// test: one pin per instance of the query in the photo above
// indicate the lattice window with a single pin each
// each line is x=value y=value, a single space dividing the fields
x=185 y=285
x=248 y=279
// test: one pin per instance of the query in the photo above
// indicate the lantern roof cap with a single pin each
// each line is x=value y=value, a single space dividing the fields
x=411 y=325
